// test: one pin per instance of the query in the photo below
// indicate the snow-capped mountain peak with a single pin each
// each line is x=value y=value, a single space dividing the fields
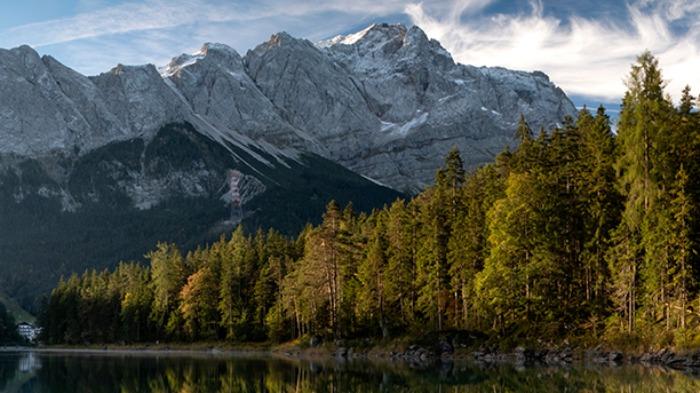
x=348 y=39
x=179 y=62
x=221 y=53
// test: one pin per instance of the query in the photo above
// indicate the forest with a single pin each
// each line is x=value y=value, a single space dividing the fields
x=579 y=233
x=8 y=328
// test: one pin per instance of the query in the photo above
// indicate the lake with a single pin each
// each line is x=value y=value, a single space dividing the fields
x=96 y=373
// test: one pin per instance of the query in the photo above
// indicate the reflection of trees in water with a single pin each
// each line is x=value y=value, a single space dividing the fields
x=8 y=369
x=17 y=371
x=170 y=374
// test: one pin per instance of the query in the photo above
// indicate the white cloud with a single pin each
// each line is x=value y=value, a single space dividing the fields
x=100 y=35
x=584 y=56
x=123 y=18
x=135 y=16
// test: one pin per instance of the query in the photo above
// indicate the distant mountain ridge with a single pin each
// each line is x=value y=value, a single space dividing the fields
x=95 y=169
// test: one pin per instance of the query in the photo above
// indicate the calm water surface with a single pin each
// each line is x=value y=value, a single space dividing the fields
x=39 y=372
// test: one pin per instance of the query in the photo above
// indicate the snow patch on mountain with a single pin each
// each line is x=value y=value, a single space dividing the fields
x=403 y=129
x=345 y=39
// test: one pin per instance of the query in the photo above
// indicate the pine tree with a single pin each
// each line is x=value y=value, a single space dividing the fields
x=237 y=270
x=268 y=288
x=198 y=301
x=524 y=153
x=468 y=243
x=686 y=106
x=683 y=248
x=401 y=265
x=436 y=209
x=136 y=301
x=8 y=329
x=168 y=275
x=451 y=180
x=523 y=134
x=501 y=285
x=602 y=202
x=644 y=113
x=371 y=300
x=328 y=255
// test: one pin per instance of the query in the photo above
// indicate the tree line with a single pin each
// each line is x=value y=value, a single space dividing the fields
x=579 y=232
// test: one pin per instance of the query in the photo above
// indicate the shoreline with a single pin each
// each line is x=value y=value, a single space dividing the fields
x=137 y=350
x=413 y=355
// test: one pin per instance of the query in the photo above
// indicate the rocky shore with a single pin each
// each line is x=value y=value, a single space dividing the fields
x=563 y=355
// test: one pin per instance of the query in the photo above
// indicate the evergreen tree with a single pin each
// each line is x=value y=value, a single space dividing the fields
x=136 y=301
x=401 y=264
x=168 y=275
x=8 y=328
x=523 y=134
x=643 y=117
x=602 y=202
x=237 y=270
x=432 y=276
x=468 y=243
x=682 y=246
x=452 y=178
x=372 y=299
x=198 y=305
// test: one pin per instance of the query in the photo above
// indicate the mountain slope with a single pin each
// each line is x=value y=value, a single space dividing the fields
x=119 y=200
x=19 y=314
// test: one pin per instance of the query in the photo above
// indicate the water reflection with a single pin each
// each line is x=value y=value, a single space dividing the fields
x=54 y=373
x=16 y=370
x=29 y=362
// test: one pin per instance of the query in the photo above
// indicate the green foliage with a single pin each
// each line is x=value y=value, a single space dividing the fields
x=577 y=233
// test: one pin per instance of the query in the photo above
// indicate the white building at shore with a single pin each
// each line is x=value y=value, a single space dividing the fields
x=28 y=331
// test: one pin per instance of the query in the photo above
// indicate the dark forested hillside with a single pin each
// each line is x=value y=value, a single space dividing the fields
x=178 y=180
x=577 y=233
x=8 y=328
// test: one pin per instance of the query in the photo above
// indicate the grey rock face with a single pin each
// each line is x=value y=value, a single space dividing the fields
x=139 y=98
x=313 y=93
x=35 y=114
x=47 y=108
x=386 y=102
x=427 y=104
x=215 y=83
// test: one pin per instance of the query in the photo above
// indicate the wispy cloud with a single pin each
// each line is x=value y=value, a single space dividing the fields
x=162 y=14
x=152 y=31
x=584 y=56
x=119 y=19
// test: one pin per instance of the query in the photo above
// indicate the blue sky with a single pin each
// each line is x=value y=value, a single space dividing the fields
x=585 y=46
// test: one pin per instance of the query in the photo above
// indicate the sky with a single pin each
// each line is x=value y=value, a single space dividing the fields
x=586 y=47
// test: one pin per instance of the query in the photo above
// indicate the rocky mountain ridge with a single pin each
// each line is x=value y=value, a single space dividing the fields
x=386 y=102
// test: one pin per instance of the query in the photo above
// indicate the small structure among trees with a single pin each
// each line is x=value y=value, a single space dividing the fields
x=28 y=331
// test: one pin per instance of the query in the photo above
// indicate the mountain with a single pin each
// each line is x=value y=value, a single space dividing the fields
x=97 y=169
x=425 y=103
